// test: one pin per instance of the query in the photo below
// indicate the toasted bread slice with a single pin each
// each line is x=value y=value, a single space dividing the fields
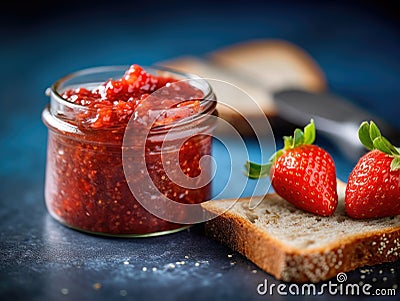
x=296 y=246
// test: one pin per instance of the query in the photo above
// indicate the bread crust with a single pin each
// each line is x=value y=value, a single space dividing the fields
x=301 y=265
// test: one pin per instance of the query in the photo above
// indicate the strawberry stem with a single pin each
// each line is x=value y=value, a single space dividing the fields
x=256 y=171
x=300 y=137
x=371 y=137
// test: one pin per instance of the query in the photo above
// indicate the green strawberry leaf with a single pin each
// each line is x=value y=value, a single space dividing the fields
x=371 y=137
x=298 y=138
x=364 y=136
x=255 y=170
x=393 y=150
x=395 y=165
x=374 y=132
x=309 y=133
x=380 y=143
x=288 y=142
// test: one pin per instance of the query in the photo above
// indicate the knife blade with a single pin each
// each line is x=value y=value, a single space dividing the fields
x=335 y=116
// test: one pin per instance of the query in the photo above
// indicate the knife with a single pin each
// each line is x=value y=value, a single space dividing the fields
x=335 y=116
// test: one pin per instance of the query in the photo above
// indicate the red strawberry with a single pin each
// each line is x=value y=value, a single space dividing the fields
x=302 y=173
x=373 y=188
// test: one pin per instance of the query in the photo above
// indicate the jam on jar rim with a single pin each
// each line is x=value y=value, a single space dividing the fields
x=207 y=102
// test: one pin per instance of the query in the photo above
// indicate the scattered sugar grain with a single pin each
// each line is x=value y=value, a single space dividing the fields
x=154 y=269
x=197 y=264
x=254 y=271
x=64 y=291
x=126 y=262
x=144 y=269
x=230 y=255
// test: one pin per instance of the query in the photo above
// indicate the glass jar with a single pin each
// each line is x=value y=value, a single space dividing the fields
x=86 y=187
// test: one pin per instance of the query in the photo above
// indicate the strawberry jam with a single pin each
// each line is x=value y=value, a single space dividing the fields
x=86 y=187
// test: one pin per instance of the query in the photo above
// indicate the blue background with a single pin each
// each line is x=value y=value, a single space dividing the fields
x=356 y=43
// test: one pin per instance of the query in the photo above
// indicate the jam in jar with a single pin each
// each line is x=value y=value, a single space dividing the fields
x=86 y=186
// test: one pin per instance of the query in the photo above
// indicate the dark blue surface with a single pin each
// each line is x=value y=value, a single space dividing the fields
x=356 y=44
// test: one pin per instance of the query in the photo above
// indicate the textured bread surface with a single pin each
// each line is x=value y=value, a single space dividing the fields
x=296 y=246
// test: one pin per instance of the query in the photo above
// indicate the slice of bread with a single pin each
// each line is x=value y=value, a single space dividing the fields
x=225 y=93
x=276 y=64
x=296 y=246
x=258 y=67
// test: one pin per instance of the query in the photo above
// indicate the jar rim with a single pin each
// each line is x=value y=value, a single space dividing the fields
x=112 y=68
x=208 y=101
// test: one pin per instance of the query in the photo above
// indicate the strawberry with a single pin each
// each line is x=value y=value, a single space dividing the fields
x=301 y=173
x=373 y=188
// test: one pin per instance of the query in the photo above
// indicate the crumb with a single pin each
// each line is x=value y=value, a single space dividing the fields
x=97 y=286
